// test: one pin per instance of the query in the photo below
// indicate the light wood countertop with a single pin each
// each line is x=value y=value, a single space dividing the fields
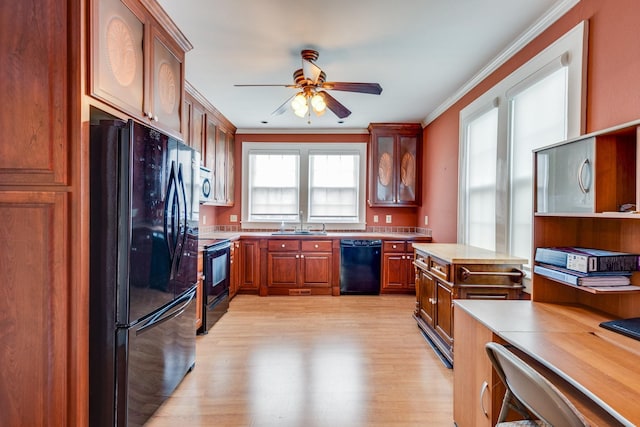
x=464 y=254
x=568 y=341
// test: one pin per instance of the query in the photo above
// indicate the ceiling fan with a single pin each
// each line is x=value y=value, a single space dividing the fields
x=310 y=81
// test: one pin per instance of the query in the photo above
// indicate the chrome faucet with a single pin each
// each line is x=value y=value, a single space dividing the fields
x=301 y=219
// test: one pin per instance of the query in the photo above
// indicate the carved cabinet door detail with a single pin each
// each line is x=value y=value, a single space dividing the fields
x=118 y=57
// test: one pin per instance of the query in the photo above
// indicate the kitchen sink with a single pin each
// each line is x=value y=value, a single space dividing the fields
x=299 y=233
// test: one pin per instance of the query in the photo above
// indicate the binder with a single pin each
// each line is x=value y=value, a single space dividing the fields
x=587 y=260
x=581 y=279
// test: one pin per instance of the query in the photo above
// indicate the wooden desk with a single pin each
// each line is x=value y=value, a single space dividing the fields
x=597 y=369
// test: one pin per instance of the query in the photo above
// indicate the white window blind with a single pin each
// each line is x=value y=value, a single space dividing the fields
x=482 y=141
x=333 y=186
x=538 y=118
x=274 y=185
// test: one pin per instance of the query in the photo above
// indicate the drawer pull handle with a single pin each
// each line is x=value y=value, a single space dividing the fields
x=315 y=246
x=515 y=275
x=283 y=245
x=483 y=390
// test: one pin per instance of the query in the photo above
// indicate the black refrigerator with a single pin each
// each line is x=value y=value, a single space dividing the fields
x=143 y=262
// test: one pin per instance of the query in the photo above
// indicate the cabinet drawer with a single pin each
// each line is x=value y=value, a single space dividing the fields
x=316 y=245
x=439 y=268
x=284 y=245
x=394 y=246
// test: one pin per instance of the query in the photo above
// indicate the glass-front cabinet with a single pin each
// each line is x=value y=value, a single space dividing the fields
x=394 y=164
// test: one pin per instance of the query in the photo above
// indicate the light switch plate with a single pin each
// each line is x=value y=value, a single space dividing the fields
x=375 y=219
x=388 y=219
x=233 y=218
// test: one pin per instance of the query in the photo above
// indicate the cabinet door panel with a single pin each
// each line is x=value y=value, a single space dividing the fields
x=384 y=167
x=444 y=317
x=394 y=271
x=565 y=177
x=249 y=265
x=166 y=91
x=118 y=58
x=407 y=158
x=471 y=397
x=35 y=294
x=34 y=90
x=230 y=169
x=427 y=298
x=220 y=171
x=210 y=145
x=198 y=120
x=282 y=270
x=410 y=271
x=316 y=269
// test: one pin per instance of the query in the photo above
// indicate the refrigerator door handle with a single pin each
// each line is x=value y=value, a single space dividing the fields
x=182 y=221
x=168 y=313
x=170 y=214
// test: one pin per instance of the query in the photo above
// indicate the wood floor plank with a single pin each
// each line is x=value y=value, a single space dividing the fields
x=313 y=361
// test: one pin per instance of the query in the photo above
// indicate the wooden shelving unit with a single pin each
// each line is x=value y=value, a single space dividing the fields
x=615 y=182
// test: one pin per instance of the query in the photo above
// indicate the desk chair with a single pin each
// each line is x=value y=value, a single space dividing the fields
x=529 y=392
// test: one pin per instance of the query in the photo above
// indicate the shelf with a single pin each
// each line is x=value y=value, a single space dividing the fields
x=602 y=215
x=599 y=290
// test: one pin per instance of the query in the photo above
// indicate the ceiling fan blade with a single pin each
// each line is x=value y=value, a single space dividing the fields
x=338 y=109
x=371 y=88
x=258 y=85
x=281 y=109
x=311 y=71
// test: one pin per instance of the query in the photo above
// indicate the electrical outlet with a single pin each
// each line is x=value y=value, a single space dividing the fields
x=426 y=220
x=375 y=219
x=204 y=219
x=233 y=218
x=388 y=219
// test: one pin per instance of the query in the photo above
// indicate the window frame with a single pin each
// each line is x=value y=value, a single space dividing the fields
x=569 y=50
x=305 y=149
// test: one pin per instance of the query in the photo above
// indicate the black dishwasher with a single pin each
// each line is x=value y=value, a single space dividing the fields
x=360 y=267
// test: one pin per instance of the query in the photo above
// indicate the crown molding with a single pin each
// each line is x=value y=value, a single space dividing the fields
x=555 y=13
x=302 y=131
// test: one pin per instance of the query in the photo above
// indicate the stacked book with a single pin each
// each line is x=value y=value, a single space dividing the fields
x=585 y=266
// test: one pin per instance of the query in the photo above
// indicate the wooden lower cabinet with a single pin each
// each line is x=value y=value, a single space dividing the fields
x=397 y=268
x=234 y=267
x=299 y=267
x=477 y=390
x=249 y=269
x=434 y=310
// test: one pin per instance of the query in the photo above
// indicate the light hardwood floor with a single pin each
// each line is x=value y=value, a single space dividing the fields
x=313 y=361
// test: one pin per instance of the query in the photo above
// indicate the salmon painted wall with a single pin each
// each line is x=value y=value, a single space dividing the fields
x=612 y=98
x=401 y=217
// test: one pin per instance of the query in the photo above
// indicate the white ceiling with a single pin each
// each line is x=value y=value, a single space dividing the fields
x=424 y=53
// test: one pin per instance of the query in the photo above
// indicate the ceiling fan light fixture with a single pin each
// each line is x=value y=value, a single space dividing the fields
x=318 y=103
x=299 y=105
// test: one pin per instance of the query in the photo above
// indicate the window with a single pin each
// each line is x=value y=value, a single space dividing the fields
x=326 y=182
x=274 y=185
x=481 y=142
x=538 y=117
x=537 y=105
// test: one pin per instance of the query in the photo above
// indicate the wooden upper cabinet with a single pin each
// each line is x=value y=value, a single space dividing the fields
x=214 y=137
x=34 y=88
x=137 y=61
x=395 y=164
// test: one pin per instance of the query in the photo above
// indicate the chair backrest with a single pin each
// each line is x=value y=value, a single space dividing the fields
x=534 y=391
